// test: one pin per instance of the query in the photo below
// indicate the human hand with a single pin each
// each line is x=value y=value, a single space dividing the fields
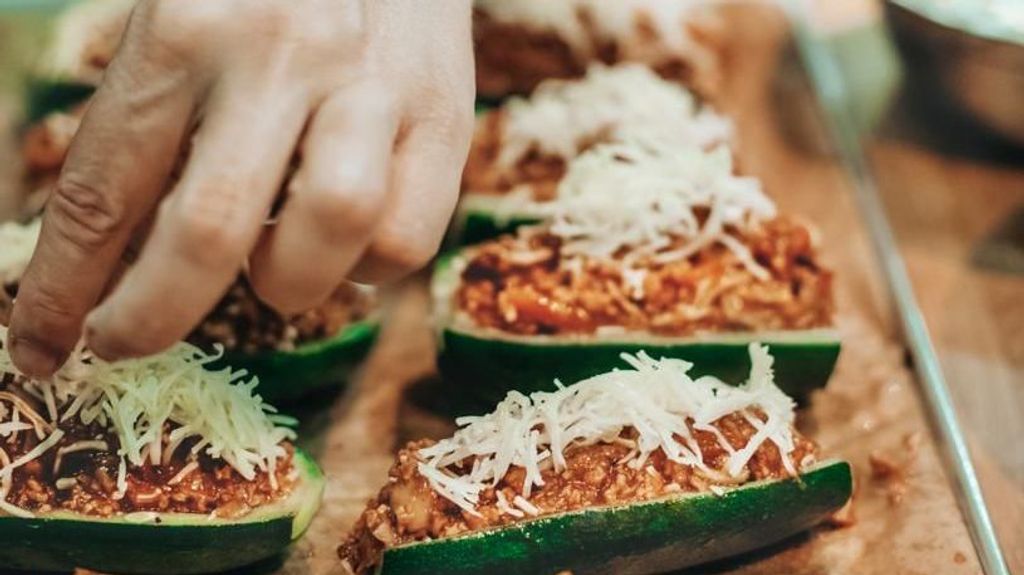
x=374 y=97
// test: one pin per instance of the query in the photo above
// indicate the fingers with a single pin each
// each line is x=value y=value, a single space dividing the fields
x=424 y=190
x=114 y=173
x=207 y=225
x=335 y=204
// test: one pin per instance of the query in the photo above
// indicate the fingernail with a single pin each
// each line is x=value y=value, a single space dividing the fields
x=33 y=358
x=97 y=343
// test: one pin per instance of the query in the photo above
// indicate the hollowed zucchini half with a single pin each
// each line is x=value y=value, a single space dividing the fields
x=485 y=364
x=315 y=366
x=643 y=538
x=159 y=544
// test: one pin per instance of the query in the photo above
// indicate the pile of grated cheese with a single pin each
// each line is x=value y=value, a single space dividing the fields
x=139 y=400
x=642 y=196
x=610 y=104
x=17 y=242
x=654 y=397
x=612 y=21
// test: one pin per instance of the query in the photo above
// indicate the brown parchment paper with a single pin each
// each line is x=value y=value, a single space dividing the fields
x=870 y=409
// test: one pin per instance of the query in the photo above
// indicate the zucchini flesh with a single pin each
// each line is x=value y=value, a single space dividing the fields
x=160 y=544
x=643 y=538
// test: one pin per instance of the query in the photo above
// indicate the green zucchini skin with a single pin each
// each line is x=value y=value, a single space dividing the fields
x=640 y=539
x=288 y=376
x=485 y=369
x=178 y=545
x=46 y=96
x=472 y=227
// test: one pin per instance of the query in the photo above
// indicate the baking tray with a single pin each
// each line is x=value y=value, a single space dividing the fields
x=893 y=422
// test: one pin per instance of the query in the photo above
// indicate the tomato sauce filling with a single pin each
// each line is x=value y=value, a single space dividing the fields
x=523 y=285
x=407 y=509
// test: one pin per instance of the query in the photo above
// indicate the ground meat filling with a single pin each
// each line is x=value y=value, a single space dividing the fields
x=512 y=58
x=484 y=175
x=408 y=510
x=522 y=285
x=241 y=322
x=79 y=474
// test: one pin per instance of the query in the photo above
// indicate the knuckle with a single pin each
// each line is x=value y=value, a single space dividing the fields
x=84 y=215
x=209 y=233
x=346 y=209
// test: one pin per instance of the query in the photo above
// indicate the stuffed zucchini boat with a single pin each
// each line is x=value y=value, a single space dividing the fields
x=645 y=469
x=650 y=246
x=293 y=356
x=522 y=149
x=520 y=43
x=149 y=466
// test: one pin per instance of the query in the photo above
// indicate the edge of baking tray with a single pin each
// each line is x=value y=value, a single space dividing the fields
x=834 y=108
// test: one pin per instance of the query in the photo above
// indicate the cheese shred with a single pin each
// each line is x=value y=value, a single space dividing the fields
x=629 y=101
x=643 y=198
x=657 y=398
x=150 y=405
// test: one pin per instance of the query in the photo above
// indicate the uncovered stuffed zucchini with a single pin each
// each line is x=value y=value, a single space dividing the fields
x=640 y=470
x=298 y=355
x=650 y=246
x=522 y=149
x=149 y=466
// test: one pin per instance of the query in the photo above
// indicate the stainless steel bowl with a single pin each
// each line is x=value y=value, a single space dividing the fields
x=982 y=75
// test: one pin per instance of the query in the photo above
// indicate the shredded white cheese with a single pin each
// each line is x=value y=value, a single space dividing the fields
x=17 y=242
x=627 y=101
x=138 y=400
x=655 y=398
x=643 y=196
